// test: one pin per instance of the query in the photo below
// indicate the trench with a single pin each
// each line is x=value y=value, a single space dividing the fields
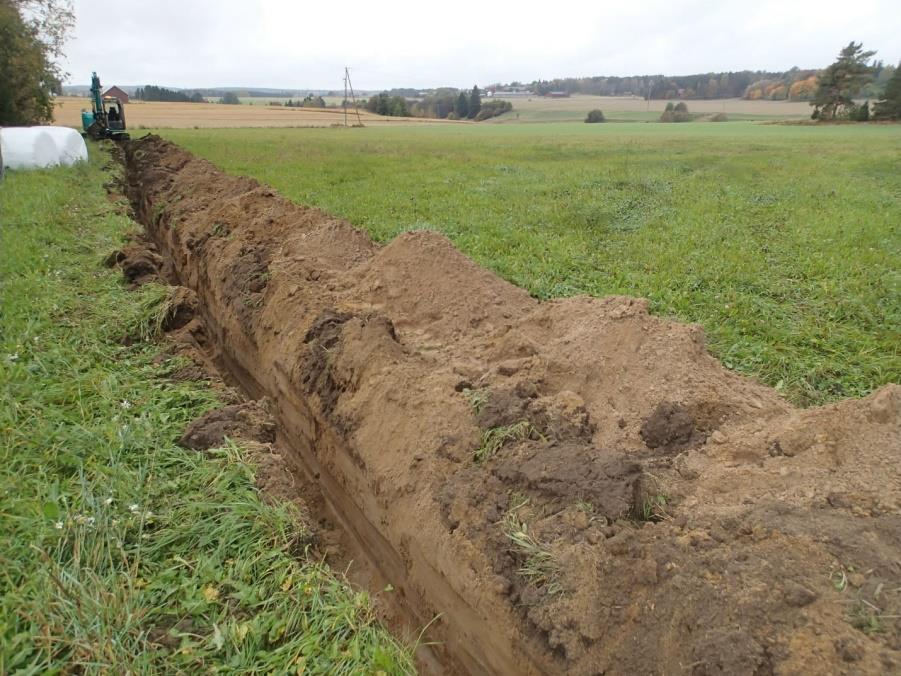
x=622 y=518
x=451 y=635
x=369 y=560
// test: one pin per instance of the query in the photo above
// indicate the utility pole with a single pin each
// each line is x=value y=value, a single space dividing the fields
x=349 y=85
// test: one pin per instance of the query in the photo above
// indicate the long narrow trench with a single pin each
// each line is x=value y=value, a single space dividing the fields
x=452 y=636
x=543 y=484
x=360 y=552
x=355 y=548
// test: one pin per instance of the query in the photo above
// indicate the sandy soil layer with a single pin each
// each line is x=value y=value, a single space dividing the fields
x=572 y=485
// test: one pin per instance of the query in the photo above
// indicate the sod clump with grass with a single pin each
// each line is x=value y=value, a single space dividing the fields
x=119 y=551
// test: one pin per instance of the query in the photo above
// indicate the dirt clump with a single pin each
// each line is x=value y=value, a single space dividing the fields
x=671 y=428
x=573 y=485
x=248 y=421
x=140 y=262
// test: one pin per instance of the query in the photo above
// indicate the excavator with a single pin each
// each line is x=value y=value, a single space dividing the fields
x=107 y=116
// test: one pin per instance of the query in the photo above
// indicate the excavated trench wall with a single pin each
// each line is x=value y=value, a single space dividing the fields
x=573 y=485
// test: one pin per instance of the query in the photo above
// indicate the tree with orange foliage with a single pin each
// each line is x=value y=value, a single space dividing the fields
x=803 y=90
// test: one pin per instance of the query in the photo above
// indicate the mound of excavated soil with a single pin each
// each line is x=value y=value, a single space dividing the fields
x=572 y=485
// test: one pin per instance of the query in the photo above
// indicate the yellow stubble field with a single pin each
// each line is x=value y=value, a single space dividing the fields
x=158 y=115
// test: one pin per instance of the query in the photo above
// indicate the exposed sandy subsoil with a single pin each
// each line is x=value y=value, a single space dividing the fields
x=571 y=485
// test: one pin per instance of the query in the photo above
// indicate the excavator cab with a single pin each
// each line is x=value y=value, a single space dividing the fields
x=106 y=118
x=115 y=113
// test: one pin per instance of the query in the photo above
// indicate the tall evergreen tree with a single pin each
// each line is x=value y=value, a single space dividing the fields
x=840 y=82
x=475 y=102
x=462 y=106
x=384 y=104
x=889 y=106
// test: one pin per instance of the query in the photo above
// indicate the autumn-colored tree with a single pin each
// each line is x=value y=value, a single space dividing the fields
x=840 y=82
x=803 y=89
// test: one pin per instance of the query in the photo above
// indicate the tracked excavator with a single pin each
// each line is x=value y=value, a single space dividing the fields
x=106 y=119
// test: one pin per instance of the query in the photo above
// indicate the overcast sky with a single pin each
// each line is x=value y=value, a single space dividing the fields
x=305 y=45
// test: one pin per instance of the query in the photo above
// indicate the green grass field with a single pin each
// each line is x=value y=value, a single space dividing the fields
x=634 y=109
x=119 y=551
x=782 y=241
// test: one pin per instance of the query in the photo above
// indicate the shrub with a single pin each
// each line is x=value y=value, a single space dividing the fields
x=595 y=115
x=720 y=117
x=677 y=113
x=494 y=108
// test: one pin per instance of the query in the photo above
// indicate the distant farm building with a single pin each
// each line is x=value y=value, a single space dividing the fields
x=118 y=93
x=510 y=92
x=558 y=95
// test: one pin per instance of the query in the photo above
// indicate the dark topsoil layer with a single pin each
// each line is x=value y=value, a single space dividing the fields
x=573 y=485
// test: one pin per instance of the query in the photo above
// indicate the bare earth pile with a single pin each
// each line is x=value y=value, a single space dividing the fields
x=572 y=485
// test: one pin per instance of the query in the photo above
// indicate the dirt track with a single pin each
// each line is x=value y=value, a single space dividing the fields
x=635 y=507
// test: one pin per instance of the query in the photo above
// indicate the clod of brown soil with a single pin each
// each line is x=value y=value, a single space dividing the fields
x=671 y=428
x=573 y=485
x=181 y=307
x=248 y=421
x=140 y=262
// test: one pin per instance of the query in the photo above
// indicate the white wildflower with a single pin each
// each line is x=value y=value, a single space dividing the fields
x=133 y=508
x=108 y=501
x=12 y=357
x=58 y=525
x=125 y=404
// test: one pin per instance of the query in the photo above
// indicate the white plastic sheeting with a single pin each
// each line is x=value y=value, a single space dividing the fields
x=39 y=147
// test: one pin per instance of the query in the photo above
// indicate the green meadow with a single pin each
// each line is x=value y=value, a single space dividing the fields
x=783 y=241
x=121 y=552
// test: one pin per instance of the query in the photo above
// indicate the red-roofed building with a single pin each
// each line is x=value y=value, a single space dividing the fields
x=118 y=93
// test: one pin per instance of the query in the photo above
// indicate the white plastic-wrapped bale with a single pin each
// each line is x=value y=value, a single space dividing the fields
x=69 y=144
x=40 y=147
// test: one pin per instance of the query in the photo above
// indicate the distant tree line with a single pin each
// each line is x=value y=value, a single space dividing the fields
x=309 y=101
x=443 y=103
x=154 y=93
x=795 y=84
x=385 y=104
